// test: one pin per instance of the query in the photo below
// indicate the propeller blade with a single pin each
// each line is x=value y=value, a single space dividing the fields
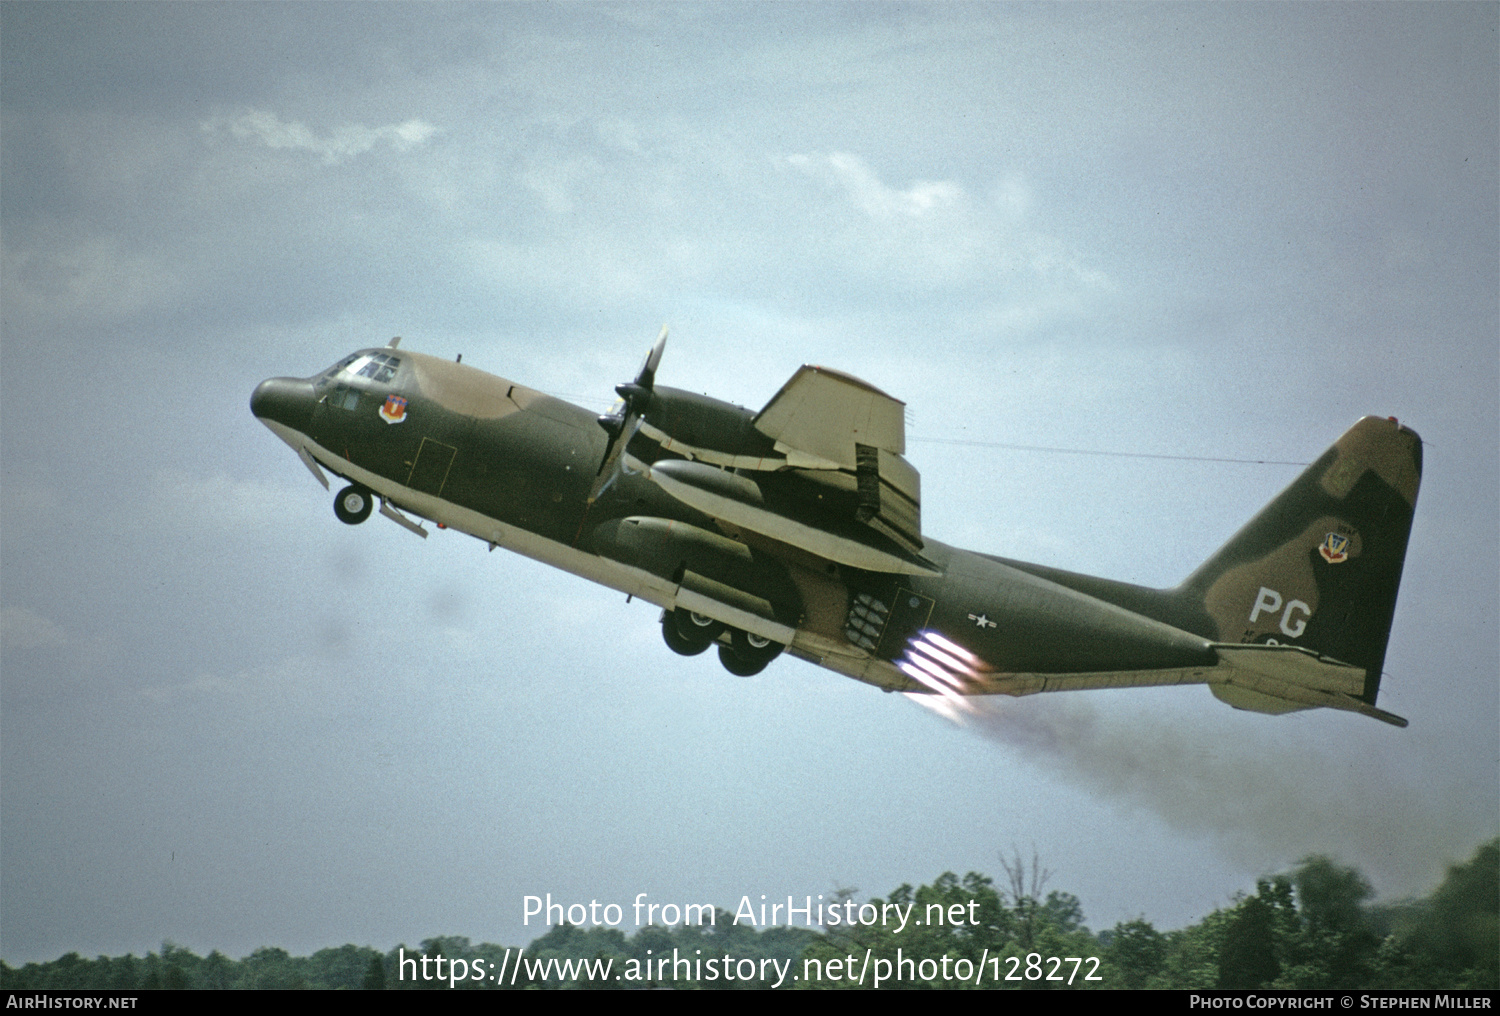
x=622 y=427
x=613 y=464
x=647 y=377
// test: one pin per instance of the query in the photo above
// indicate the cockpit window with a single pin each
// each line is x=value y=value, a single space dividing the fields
x=343 y=397
x=333 y=386
x=332 y=372
x=378 y=367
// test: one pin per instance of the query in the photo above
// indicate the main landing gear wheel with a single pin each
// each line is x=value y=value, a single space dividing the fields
x=747 y=655
x=696 y=627
x=353 y=504
x=754 y=647
x=737 y=666
x=679 y=643
x=687 y=633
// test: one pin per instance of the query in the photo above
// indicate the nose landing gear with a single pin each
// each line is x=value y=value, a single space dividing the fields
x=353 y=504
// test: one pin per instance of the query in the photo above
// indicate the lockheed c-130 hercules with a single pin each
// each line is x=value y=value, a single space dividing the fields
x=798 y=529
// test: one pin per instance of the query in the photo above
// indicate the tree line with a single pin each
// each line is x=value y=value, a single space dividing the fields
x=1311 y=927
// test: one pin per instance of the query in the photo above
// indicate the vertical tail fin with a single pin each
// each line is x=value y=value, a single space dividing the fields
x=1320 y=565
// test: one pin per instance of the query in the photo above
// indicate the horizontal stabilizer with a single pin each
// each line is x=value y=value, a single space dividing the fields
x=1281 y=679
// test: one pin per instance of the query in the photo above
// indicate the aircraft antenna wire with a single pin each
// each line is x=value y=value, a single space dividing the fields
x=1091 y=451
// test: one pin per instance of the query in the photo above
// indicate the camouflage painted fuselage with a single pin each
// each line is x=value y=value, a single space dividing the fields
x=712 y=516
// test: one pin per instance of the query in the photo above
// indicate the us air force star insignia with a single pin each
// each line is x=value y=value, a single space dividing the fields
x=982 y=621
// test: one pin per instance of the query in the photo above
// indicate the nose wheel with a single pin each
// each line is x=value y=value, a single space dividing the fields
x=353 y=504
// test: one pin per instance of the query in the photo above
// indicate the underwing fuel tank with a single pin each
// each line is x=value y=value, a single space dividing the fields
x=742 y=502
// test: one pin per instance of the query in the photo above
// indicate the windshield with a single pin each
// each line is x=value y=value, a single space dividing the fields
x=378 y=367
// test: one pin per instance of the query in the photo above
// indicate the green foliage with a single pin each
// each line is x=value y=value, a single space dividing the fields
x=1309 y=928
x=1136 y=951
x=217 y=972
x=1451 y=939
x=1193 y=955
x=1247 y=954
x=374 y=975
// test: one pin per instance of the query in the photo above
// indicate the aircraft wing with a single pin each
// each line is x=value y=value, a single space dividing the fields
x=830 y=423
x=820 y=416
x=820 y=468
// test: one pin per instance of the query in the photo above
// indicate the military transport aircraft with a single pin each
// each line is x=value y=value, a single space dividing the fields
x=798 y=529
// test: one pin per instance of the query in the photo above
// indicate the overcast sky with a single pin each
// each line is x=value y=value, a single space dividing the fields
x=1224 y=231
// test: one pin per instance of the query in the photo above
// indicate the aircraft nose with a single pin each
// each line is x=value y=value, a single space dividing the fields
x=284 y=400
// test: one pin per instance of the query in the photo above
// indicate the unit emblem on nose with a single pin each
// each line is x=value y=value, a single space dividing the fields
x=394 y=410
